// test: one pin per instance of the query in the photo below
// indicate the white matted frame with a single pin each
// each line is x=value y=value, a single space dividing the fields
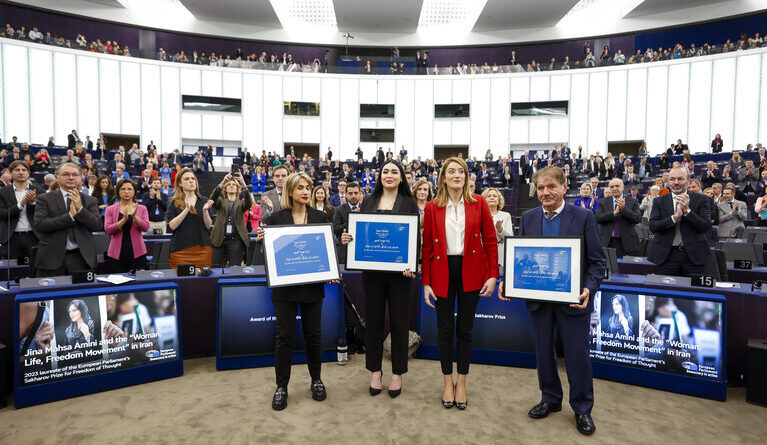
x=409 y=263
x=273 y=233
x=543 y=282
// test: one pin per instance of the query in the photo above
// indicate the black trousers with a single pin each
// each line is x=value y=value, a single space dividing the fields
x=73 y=262
x=20 y=246
x=230 y=253
x=574 y=332
x=678 y=264
x=311 y=316
x=382 y=288
x=448 y=327
x=616 y=244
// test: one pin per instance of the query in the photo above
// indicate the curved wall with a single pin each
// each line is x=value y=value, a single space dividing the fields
x=49 y=91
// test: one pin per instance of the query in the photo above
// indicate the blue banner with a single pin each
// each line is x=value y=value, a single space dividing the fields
x=542 y=268
x=301 y=254
x=381 y=242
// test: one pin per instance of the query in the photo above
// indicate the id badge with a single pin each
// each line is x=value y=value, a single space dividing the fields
x=228 y=229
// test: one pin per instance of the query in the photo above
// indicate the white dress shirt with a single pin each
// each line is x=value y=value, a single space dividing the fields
x=455 y=227
x=23 y=225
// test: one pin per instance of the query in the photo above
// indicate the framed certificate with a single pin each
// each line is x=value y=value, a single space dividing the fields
x=543 y=268
x=383 y=242
x=300 y=254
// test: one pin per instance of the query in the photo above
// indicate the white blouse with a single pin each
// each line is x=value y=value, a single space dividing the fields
x=455 y=227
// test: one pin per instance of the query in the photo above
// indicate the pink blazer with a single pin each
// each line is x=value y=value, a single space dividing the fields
x=111 y=216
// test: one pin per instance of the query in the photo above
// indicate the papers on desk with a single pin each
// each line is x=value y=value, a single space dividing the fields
x=115 y=279
x=726 y=285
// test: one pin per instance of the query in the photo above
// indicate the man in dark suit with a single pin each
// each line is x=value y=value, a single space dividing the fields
x=663 y=162
x=643 y=169
x=557 y=218
x=617 y=216
x=88 y=145
x=72 y=139
x=65 y=219
x=524 y=163
x=681 y=222
x=151 y=146
x=339 y=198
x=341 y=218
x=17 y=213
x=270 y=201
x=174 y=158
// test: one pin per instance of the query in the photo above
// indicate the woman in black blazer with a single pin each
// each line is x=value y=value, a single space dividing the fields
x=296 y=210
x=391 y=195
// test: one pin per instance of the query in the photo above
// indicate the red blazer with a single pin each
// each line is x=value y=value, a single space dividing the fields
x=480 y=247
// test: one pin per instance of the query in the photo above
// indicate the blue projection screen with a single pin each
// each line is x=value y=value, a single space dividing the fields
x=247 y=324
x=83 y=341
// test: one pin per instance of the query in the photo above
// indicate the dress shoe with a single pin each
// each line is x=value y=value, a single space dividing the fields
x=280 y=399
x=318 y=390
x=543 y=409
x=376 y=391
x=394 y=392
x=585 y=424
x=460 y=405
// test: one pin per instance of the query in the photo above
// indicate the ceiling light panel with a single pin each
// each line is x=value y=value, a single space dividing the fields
x=302 y=13
x=458 y=14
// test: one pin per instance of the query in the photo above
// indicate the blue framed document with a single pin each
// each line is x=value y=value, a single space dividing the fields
x=543 y=268
x=300 y=254
x=383 y=242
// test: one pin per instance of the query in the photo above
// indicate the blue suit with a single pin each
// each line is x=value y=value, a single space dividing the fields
x=573 y=324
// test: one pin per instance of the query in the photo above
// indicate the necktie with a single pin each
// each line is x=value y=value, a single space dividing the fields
x=550 y=215
x=730 y=203
x=616 y=225
x=70 y=230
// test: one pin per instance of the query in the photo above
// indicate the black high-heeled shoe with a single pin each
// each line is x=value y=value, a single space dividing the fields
x=376 y=391
x=393 y=393
x=460 y=405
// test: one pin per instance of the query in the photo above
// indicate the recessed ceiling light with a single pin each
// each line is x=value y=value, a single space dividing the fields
x=302 y=13
x=458 y=15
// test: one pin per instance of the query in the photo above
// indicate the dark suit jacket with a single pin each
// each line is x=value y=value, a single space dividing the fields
x=695 y=228
x=627 y=218
x=52 y=221
x=174 y=158
x=71 y=141
x=9 y=207
x=341 y=223
x=576 y=221
x=304 y=292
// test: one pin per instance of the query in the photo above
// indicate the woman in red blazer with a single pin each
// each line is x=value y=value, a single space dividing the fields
x=126 y=221
x=457 y=226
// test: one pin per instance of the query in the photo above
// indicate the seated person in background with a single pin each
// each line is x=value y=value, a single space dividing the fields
x=732 y=213
x=189 y=220
x=66 y=220
x=125 y=222
x=156 y=203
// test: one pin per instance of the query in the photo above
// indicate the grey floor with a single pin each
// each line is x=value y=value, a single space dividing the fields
x=233 y=407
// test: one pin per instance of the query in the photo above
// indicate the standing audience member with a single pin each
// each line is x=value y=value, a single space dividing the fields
x=189 y=220
x=17 y=213
x=732 y=214
x=66 y=220
x=156 y=203
x=126 y=221
x=229 y=236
